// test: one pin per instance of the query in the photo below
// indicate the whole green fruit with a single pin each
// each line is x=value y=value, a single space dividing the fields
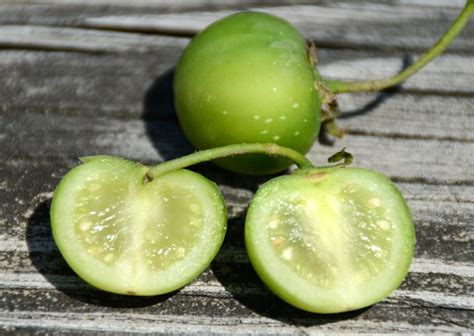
x=248 y=78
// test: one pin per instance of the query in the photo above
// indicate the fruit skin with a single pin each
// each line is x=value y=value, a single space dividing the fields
x=118 y=280
x=248 y=78
x=296 y=291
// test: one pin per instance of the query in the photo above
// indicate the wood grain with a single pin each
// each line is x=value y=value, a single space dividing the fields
x=379 y=27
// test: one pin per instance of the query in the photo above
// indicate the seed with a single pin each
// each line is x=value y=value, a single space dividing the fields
x=180 y=251
x=375 y=201
x=375 y=248
x=383 y=224
x=109 y=257
x=196 y=222
x=94 y=187
x=95 y=250
x=84 y=226
x=273 y=224
x=195 y=208
x=287 y=253
x=324 y=283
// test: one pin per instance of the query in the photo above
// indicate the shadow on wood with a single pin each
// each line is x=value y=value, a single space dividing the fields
x=158 y=105
x=48 y=261
x=328 y=140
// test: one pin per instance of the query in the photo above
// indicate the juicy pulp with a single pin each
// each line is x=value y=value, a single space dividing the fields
x=330 y=240
x=128 y=236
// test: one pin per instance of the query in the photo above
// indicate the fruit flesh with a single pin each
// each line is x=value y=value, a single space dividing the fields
x=332 y=241
x=129 y=237
x=247 y=78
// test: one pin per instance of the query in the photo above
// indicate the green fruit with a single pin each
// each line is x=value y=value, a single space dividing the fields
x=330 y=240
x=248 y=78
x=124 y=234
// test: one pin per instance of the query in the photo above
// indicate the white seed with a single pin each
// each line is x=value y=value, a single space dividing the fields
x=273 y=224
x=196 y=222
x=264 y=132
x=325 y=283
x=108 y=257
x=296 y=105
x=383 y=224
x=94 y=187
x=195 y=208
x=283 y=117
x=84 y=226
x=375 y=202
x=180 y=251
x=256 y=117
x=297 y=133
x=276 y=137
x=268 y=121
x=375 y=248
x=95 y=250
x=287 y=253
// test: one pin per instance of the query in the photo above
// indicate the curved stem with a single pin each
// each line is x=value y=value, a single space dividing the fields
x=231 y=150
x=375 y=85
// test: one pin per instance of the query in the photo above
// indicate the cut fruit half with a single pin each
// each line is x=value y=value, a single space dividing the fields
x=123 y=234
x=330 y=240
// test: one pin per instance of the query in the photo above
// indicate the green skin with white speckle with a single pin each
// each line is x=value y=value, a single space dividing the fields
x=330 y=240
x=124 y=234
x=247 y=78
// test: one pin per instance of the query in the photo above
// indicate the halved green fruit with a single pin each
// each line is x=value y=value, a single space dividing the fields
x=125 y=235
x=330 y=240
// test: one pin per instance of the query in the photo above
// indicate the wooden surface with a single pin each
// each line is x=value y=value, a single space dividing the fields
x=88 y=77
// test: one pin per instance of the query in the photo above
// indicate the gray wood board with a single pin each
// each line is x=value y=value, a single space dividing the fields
x=72 y=86
x=380 y=27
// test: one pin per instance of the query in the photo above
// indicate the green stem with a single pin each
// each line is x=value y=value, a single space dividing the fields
x=375 y=85
x=231 y=150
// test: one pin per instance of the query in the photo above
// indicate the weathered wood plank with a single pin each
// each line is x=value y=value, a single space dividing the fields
x=408 y=116
x=433 y=290
x=84 y=40
x=61 y=12
x=52 y=309
x=375 y=26
x=443 y=321
x=182 y=4
x=452 y=74
x=141 y=87
x=33 y=135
